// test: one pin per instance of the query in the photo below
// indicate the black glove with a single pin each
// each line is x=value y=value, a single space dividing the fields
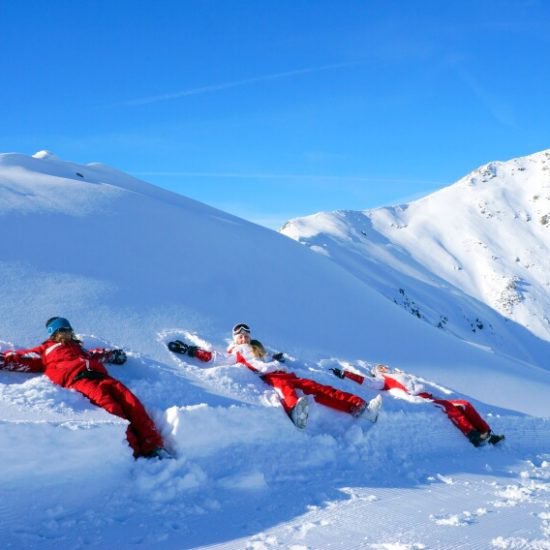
x=279 y=356
x=1 y=359
x=337 y=372
x=117 y=357
x=177 y=346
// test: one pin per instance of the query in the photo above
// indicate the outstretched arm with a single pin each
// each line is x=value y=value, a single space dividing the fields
x=115 y=356
x=244 y=355
x=342 y=373
x=181 y=348
x=371 y=382
x=24 y=360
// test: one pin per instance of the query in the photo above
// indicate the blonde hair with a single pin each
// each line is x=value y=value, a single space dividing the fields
x=65 y=336
x=258 y=349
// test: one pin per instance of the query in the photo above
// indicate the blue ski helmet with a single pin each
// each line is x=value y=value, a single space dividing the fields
x=57 y=323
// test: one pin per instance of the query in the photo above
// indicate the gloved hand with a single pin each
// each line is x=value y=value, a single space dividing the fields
x=117 y=357
x=177 y=346
x=337 y=372
x=1 y=359
x=279 y=356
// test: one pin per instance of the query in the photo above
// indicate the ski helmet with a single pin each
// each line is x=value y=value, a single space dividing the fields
x=56 y=324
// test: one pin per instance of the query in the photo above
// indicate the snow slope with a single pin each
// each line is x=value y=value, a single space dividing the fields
x=472 y=259
x=133 y=265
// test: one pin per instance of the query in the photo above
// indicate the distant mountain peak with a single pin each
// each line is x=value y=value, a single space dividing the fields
x=475 y=253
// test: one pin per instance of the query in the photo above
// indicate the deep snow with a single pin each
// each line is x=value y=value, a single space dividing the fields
x=133 y=265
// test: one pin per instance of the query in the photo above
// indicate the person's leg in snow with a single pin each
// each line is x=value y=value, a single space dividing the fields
x=480 y=424
x=283 y=384
x=117 y=399
x=331 y=397
x=464 y=416
x=287 y=383
x=296 y=407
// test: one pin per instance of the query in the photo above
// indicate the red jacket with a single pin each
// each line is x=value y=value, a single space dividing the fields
x=59 y=362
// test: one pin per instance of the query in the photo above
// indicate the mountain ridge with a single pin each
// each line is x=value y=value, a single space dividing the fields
x=483 y=237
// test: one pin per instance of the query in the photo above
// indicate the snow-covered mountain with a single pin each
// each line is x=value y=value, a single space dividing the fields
x=118 y=253
x=472 y=259
x=133 y=265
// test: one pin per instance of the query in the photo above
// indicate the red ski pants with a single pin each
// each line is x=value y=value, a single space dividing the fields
x=286 y=385
x=117 y=399
x=463 y=415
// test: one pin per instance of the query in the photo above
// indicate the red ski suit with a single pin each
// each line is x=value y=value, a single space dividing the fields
x=71 y=366
x=461 y=412
x=286 y=383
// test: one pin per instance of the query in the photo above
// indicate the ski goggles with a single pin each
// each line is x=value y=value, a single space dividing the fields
x=241 y=328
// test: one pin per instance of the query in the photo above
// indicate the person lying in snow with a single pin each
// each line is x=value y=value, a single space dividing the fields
x=66 y=363
x=403 y=385
x=252 y=355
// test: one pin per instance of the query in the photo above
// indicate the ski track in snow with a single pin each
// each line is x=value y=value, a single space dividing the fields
x=473 y=514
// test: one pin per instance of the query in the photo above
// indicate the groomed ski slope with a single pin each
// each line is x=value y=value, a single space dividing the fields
x=134 y=266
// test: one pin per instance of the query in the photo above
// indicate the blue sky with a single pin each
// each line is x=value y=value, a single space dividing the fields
x=276 y=109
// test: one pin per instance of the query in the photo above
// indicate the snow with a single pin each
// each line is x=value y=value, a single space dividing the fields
x=46 y=155
x=471 y=259
x=135 y=266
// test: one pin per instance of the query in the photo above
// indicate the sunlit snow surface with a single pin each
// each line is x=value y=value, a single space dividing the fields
x=472 y=259
x=135 y=266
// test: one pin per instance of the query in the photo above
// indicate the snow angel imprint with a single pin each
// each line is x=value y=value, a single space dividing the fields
x=251 y=354
x=63 y=359
x=403 y=385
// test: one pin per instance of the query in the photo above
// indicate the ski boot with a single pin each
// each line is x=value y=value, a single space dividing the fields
x=477 y=439
x=299 y=413
x=159 y=453
x=493 y=439
x=369 y=411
